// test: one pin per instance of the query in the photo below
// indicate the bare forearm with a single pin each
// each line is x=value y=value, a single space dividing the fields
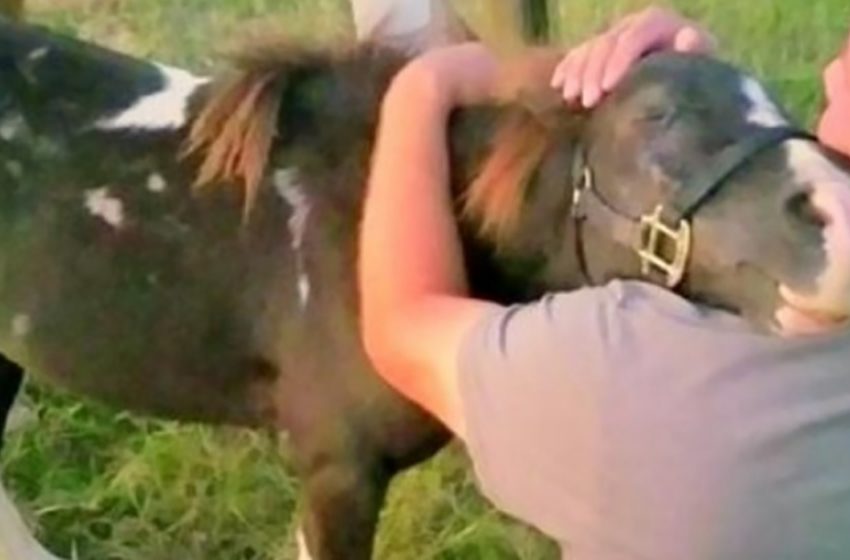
x=409 y=238
x=413 y=290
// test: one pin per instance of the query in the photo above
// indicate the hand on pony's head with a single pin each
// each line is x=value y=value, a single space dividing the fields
x=833 y=129
x=595 y=67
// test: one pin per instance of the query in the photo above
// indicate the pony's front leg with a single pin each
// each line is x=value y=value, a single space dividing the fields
x=341 y=501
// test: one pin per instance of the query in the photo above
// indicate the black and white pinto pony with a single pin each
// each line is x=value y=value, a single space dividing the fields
x=185 y=247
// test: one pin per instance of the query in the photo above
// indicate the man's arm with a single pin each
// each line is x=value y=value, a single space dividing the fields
x=530 y=376
x=834 y=123
x=415 y=307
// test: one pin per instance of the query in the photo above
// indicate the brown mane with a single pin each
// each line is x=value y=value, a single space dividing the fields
x=494 y=199
x=235 y=128
x=234 y=131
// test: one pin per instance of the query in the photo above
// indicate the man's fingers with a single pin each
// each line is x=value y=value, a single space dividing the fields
x=572 y=68
x=594 y=70
x=836 y=79
x=691 y=39
x=560 y=73
x=632 y=44
x=597 y=66
x=573 y=72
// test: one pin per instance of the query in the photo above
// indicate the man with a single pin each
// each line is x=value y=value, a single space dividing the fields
x=416 y=25
x=614 y=462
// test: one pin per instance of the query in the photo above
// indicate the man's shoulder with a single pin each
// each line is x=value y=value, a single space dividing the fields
x=642 y=300
x=627 y=298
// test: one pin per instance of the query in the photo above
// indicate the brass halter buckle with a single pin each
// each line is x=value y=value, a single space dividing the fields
x=583 y=184
x=664 y=248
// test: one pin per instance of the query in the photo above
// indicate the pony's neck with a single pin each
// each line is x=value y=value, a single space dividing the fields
x=539 y=255
x=60 y=81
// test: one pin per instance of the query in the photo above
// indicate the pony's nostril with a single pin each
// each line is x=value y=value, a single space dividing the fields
x=801 y=208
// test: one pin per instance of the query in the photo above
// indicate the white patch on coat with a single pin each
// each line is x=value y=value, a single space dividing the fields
x=830 y=194
x=105 y=206
x=37 y=54
x=762 y=110
x=16 y=542
x=21 y=325
x=156 y=183
x=11 y=126
x=167 y=108
x=303 y=552
x=287 y=187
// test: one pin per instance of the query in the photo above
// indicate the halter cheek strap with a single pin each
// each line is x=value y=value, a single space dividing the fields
x=662 y=238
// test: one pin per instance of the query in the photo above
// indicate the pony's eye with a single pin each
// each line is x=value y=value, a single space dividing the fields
x=658 y=115
x=655 y=115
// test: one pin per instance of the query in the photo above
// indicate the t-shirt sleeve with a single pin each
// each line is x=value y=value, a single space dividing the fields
x=530 y=380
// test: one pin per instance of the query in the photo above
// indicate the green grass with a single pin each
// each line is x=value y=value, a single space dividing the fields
x=108 y=485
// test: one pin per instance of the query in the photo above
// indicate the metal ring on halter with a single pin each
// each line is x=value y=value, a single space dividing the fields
x=581 y=186
x=654 y=247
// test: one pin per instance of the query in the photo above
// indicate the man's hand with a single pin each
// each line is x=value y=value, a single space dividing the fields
x=595 y=67
x=833 y=129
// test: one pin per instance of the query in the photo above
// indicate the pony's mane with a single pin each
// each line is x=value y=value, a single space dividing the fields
x=234 y=130
x=495 y=197
x=235 y=127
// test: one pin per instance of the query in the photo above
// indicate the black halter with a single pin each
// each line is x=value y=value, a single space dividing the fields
x=662 y=238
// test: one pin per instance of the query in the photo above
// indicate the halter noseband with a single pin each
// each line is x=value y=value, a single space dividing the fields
x=662 y=238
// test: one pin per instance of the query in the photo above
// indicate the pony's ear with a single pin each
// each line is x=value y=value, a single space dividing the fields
x=537 y=122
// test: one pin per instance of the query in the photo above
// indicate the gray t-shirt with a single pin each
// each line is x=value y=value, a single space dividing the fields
x=629 y=424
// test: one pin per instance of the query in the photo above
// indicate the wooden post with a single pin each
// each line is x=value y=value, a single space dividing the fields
x=12 y=8
x=506 y=25
x=535 y=21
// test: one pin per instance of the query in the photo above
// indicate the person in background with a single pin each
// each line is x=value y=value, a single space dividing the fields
x=416 y=25
x=409 y=25
x=527 y=389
